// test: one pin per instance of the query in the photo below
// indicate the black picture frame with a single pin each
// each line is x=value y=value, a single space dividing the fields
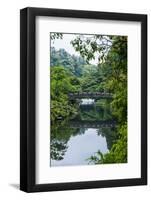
x=28 y=99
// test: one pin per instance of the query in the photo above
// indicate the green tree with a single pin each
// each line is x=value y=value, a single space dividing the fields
x=111 y=52
x=62 y=83
x=62 y=58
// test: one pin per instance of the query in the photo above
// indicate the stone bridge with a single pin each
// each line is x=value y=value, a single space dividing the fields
x=89 y=95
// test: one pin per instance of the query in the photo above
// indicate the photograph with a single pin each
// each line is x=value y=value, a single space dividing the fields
x=83 y=84
x=88 y=99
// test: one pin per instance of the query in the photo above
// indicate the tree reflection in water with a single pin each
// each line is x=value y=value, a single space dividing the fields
x=88 y=115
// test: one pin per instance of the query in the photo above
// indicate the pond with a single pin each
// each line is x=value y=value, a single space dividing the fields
x=75 y=140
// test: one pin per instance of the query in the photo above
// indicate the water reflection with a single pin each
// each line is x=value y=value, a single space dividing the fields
x=87 y=101
x=81 y=147
x=73 y=141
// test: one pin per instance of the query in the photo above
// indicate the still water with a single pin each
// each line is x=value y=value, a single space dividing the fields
x=74 y=141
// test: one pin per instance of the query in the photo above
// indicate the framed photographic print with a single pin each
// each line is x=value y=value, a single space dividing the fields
x=83 y=95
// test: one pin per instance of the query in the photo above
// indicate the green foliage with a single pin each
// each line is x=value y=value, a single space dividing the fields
x=73 y=63
x=71 y=73
x=90 y=44
x=91 y=81
x=118 y=152
x=116 y=81
x=111 y=76
x=62 y=83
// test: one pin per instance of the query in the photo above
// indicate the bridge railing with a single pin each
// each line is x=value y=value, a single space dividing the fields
x=89 y=94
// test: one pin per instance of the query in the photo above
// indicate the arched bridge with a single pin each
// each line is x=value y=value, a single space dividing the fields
x=92 y=124
x=89 y=95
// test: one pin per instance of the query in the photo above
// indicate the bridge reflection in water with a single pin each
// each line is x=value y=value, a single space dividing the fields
x=92 y=124
x=92 y=129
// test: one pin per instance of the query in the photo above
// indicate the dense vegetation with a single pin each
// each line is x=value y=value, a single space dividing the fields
x=71 y=73
x=73 y=63
x=62 y=83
